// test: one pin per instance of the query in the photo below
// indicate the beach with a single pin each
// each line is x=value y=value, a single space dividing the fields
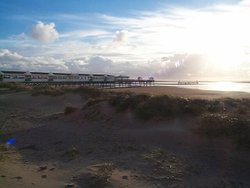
x=183 y=92
x=95 y=144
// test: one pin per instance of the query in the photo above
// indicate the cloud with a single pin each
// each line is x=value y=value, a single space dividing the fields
x=79 y=34
x=121 y=37
x=14 y=61
x=92 y=64
x=19 y=37
x=43 y=32
x=88 y=64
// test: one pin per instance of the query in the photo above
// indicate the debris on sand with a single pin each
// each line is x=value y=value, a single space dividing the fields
x=97 y=175
x=41 y=168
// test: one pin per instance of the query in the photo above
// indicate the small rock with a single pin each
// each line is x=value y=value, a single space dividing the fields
x=134 y=176
x=51 y=169
x=74 y=178
x=17 y=177
x=29 y=147
x=70 y=185
x=125 y=177
x=3 y=176
x=44 y=176
x=41 y=168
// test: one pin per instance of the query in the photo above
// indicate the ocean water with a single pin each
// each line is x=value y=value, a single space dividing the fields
x=215 y=86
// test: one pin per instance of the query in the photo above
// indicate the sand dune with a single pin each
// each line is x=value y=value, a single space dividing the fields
x=99 y=147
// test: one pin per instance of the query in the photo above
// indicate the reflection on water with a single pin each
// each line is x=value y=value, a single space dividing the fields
x=216 y=86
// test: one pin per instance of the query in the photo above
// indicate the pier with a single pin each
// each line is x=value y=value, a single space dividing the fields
x=96 y=84
x=70 y=79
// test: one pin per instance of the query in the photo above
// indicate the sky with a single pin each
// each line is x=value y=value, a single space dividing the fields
x=166 y=39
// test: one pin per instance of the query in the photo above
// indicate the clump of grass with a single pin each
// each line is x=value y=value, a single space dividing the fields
x=72 y=153
x=14 y=86
x=3 y=132
x=242 y=110
x=160 y=107
x=90 y=92
x=93 y=101
x=3 y=147
x=6 y=133
x=2 y=157
x=126 y=101
x=6 y=85
x=198 y=106
x=234 y=127
x=231 y=103
x=69 y=110
x=164 y=107
x=46 y=90
x=98 y=175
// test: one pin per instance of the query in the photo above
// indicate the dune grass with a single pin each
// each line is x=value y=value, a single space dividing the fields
x=86 y=92
x=217 y=118
x=3 y=148
x=164 y=107
x=14 y=86
x=46 y=90
x=124 y=101
x=52 y=91
x=232 y=126
x=89 y=92
x=69 y=110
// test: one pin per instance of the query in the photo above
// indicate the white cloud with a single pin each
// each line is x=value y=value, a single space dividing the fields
x=43 y=32
x=121 y=37
x=79 y=34
x=14 y=61
x=20 y=37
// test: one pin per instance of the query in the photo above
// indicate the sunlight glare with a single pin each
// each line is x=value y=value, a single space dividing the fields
x=225 y=86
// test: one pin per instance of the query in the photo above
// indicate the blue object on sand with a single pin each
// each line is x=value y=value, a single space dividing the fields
x=10 y=141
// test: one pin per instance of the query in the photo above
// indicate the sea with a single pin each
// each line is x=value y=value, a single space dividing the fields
x=210 y=85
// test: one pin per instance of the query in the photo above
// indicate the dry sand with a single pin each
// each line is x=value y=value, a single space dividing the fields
x=97 y=147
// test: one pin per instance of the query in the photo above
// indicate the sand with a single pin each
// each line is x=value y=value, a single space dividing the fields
x=99 y=147
x=183 y=92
